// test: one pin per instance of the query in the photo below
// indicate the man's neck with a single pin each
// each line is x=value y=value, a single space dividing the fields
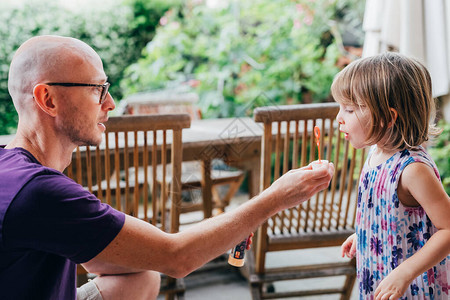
x=47 y=151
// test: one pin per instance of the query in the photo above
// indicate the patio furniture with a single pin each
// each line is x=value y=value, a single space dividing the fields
x=325 y=220
x=130 y=144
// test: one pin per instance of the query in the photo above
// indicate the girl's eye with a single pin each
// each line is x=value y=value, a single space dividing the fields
x=349 y=110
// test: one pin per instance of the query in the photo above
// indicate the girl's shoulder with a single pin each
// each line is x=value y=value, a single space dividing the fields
x=420 y=181
x=420 y=186
x=397 y=162
x=418 y=155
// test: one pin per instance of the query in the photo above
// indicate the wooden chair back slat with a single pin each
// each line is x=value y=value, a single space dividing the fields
x=146 y=178
x=286 y=151
x=326 y=146
x=89 y=168
x=295 y=148
x=304 y=144
x=154 y=169
x=126 y=169
x=98 y=169
x=175 y=187
x=276 y=174
x=107 y=171
x=117 y=171
x=163 y=185
x=136 y=171
x=285 y=220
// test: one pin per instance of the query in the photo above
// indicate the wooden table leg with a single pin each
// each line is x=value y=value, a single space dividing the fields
x=253 y=178
x=207 y=188
x=253 y=167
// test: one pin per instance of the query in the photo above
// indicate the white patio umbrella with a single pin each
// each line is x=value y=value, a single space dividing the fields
x=418 y=28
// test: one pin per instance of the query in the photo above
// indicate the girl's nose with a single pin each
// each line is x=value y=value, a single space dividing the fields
x=339 y=118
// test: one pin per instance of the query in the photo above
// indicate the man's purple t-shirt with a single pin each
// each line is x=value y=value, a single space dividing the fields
x=48 y=224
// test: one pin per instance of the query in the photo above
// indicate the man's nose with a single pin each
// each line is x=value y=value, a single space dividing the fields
x=109 y=104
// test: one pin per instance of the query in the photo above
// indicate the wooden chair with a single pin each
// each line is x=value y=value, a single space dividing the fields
x=130 y=144
x=325 y=220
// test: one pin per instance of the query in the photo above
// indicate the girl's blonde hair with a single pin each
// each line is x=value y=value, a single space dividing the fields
x=390 y=80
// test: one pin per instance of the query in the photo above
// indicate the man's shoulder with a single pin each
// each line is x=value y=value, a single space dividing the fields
x=18 y=160
x=17 y=167
x=21 y=173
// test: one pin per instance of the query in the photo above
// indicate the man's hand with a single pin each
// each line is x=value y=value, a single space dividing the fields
x=299 y=185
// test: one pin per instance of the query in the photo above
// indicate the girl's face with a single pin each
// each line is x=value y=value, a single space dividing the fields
x=354 y=122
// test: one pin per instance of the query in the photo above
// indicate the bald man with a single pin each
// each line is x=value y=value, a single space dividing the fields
x=49 y=223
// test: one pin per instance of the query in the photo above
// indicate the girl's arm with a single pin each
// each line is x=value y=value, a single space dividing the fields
x=419 y=183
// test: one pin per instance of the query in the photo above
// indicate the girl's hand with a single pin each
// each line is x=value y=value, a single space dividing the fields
x=392 y=287
x=249 y=241
x=348 y=248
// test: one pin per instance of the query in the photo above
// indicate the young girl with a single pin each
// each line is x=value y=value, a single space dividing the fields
x=402 y=237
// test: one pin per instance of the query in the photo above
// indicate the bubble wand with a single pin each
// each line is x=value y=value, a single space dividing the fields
x=317 y=134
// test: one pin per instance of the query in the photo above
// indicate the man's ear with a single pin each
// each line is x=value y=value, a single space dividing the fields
x=394 y=115
x=42 y=97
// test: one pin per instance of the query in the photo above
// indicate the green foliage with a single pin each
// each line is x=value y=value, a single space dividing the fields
x=232 y=55
x=146 y=17
x=116 y=31
x=440 y=152
x=13 y=31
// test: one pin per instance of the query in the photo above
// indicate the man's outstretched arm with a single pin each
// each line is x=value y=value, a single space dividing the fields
x=141 y=246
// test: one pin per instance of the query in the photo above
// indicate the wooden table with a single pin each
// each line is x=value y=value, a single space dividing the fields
x=237 y=141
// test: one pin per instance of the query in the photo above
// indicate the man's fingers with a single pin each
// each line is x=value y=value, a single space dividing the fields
x=308 y=167
x=321 y=186
x=321 y=171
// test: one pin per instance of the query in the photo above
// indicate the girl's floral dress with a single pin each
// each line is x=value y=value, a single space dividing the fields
x=389 y=232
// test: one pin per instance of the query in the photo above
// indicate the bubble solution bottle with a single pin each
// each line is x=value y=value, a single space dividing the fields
x=237 y=254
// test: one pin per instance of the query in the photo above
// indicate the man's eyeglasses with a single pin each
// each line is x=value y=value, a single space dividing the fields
x=104 y=87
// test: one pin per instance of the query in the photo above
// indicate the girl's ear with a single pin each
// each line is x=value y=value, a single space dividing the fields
x=394 y=115
x=43 y=99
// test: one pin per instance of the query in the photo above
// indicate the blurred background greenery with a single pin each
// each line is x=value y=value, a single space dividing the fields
x=229 y=52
